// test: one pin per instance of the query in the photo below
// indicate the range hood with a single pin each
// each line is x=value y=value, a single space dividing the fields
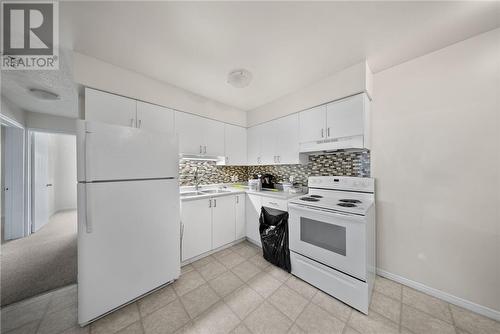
x=202 y=157
x=333 y=144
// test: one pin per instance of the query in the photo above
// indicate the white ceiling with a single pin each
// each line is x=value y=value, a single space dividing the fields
x=15 y=86
x=286 y=45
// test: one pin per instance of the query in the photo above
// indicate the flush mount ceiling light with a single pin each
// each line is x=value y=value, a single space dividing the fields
x=239 y=78
x=43 y=94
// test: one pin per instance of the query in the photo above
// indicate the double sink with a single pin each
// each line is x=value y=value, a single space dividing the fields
x=203 y=192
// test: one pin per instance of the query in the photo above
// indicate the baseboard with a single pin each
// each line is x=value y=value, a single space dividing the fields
x=483 y=310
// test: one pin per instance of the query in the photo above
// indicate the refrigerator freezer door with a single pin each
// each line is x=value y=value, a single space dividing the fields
x=133 y=245
x=110 y=152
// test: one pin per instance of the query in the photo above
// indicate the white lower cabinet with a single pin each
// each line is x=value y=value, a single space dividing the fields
x=210 y=223
x=240 y=216
x=196 y=228
x=223 y=220
x=253 y=205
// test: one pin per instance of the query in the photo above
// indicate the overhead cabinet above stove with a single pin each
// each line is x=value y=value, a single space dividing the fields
x=342 y=124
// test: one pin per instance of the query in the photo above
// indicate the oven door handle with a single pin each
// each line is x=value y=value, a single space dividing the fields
x=326 y=211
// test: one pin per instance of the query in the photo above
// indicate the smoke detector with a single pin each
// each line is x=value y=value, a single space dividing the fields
x=43 y=94
x=239 y=78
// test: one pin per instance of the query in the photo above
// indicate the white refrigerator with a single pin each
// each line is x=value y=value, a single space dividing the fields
x=128 y=215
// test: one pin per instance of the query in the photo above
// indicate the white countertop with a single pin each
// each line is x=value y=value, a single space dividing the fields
x=232 y=189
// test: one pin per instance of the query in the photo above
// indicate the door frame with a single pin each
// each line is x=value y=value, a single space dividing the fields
x=29 y=168
x=21 y=164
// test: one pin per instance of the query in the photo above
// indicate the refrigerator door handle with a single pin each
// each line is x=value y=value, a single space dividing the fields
x=88 y=212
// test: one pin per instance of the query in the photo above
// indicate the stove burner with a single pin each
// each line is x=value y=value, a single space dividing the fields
x=350 y=200
x=309 y=199
x=347 y=205
x=316 y=196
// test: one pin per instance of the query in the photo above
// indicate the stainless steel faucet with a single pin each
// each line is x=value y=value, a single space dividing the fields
x=196 y=179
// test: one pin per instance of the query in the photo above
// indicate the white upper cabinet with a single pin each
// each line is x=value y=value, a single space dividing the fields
x=254 y=139
x=345 y=118
x=213 y=137
x=198 y=135
x=340 y=124
x=312 y=124
x=109 y=108
x=236 y=144
x=286 y=132
x=154 y=117
x=275 y=142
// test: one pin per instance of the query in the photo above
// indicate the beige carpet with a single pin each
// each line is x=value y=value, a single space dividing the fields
x=44 y=261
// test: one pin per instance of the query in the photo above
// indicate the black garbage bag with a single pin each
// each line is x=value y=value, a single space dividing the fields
x=273 y=230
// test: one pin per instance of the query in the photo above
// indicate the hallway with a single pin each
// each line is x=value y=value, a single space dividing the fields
x=44 y=261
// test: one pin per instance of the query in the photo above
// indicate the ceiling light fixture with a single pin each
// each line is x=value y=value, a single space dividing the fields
x=239 y=78
x=43 y=94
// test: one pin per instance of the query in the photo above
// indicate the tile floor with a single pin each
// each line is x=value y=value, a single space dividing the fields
x=236 y=291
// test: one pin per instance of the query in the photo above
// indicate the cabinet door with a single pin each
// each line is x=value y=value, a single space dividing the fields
x=223 y=220
x=312 y=124
x=155 y=118
x=253 y=204
x=268 y=133
x=196 y=218
x=240 y=216
x=253 y=145
x=109 y=108
x=287 y=142
x=190 y=130
x=214 y=137
x=345 y=117
x=236 y=144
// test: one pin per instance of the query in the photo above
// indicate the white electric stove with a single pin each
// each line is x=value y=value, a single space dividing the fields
x=332 y=237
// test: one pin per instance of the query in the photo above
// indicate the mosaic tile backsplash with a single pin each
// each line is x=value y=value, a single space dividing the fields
x=338 y=163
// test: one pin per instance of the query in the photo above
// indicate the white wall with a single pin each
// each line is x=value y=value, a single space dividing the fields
x=97 y=74
x=436 y=160
x=40 y=121
x=352 y=80
x=65 y=177
x=61 y=171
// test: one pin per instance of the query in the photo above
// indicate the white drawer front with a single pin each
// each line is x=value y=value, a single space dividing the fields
x=275 y=203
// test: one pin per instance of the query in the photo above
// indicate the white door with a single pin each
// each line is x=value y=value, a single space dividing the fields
x=191 y=133
x=268 y=133
x=196 y=219
x=287 y=142
x=109 y=108
x=240 y=226
x=154 y=117
x=128 y=242
x=214 y=138
x=253 y=145
x=223 y=220
x=236 y=144
x=118 y=153
x=312 y=124
x=253 y=205
x=13 y=188
x=40 y=182
x=345 y=118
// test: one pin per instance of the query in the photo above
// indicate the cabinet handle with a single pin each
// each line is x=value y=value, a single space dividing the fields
x=182 y=233
x=201 y=149
x=140 y=124
x=279 y=159
x=237 y=199
x=322 y=133
x=227 y=159
x=204 y=149
x=209 y=203
x=132 y=122
x=273 y=203
x=215 y=203
x=328 y=132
